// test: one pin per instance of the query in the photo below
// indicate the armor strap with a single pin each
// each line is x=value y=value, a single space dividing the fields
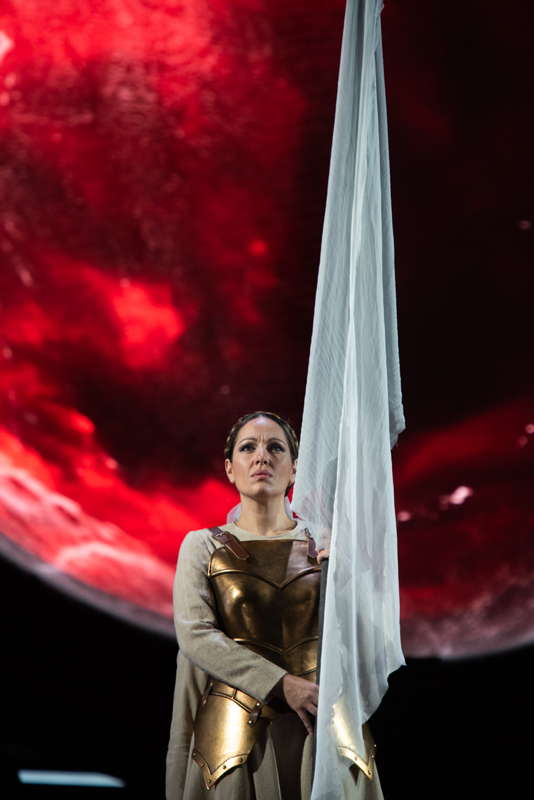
x=238 y=550
x=312 y=549
x=254 y=707
x=232 y=543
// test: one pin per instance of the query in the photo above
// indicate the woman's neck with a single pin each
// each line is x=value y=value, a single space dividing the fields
x=264 y=519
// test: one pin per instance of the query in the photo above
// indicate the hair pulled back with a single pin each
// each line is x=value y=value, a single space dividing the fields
x=291 y=436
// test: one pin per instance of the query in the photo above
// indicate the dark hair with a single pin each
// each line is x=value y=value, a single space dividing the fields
x=291 y=436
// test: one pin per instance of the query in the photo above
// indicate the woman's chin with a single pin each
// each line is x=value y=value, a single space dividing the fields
x=264 y=491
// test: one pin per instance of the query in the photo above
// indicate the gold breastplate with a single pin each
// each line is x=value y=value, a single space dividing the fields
x=269 y=601
x=267 y=596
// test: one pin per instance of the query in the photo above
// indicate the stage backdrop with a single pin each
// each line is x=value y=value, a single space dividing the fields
x=163 y=169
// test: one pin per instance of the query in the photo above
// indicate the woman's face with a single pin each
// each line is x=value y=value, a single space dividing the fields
x=261 y=464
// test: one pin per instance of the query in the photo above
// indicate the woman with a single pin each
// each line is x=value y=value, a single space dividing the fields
x=246 y=603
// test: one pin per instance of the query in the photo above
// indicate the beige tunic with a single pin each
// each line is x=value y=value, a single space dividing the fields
x=279 y=768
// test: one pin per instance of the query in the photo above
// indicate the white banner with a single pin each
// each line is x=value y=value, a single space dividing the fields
x=353 y=413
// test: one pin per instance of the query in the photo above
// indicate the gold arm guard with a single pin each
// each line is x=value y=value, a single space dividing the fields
x=227 y=726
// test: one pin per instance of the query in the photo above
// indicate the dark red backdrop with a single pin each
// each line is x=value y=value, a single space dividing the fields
x=163 y=168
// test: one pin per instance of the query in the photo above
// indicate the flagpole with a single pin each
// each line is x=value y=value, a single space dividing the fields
x=322 y=598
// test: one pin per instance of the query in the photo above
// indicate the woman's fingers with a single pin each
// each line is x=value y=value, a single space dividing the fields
x=298 y=691
x=306 y=720
x=302 y=696
x=313 y=698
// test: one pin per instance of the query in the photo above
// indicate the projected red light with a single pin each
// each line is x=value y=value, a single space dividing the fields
x=163 y=168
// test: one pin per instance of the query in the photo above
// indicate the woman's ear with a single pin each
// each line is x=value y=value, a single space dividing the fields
x=229 y=471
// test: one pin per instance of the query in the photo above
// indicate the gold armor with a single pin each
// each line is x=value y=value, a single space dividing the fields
x=267 y=595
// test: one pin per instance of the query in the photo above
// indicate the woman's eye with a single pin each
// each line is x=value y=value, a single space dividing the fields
x=245 y=447
x=277 y=447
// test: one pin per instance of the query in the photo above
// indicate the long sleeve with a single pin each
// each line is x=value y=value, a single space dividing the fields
x=189 y=687
x=199 y=637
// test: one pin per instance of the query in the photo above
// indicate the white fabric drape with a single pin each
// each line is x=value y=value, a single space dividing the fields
x=353 y=411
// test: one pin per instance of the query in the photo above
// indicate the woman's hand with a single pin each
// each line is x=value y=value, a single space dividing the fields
x=322 y=554
x=302 y=696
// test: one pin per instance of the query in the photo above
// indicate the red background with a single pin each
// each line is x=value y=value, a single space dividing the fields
x=163 y=169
